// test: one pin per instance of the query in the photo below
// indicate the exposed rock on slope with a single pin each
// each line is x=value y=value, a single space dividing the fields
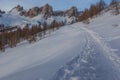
x=19 y=16
x=47 y=10
x=33 y=12
x=72 y=12
x=19 y=8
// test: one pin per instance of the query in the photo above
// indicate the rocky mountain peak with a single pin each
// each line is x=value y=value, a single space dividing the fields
x=19 y=8
x=47 y=10
x=72 y=12
x=33 y=12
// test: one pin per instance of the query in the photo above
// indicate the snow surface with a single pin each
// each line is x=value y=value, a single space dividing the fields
x=75 y=52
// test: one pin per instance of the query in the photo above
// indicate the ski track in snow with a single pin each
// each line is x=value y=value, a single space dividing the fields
x=104 y=46
x=109 y=61
x=102 y=43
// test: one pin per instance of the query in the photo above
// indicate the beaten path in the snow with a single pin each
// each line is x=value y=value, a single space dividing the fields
x=97 y=61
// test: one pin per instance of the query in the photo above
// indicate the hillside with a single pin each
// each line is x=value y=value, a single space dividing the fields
x=74 y=52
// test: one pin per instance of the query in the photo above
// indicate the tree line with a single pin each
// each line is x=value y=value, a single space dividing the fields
x=95 y=9
x=11 y=36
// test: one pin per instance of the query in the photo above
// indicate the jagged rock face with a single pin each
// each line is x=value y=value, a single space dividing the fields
x=33 y=12
x=19 y=8
x=72 y=12
x=22 y=13
x=47 y=11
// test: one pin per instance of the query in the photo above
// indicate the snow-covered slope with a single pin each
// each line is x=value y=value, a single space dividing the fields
x=75 y=52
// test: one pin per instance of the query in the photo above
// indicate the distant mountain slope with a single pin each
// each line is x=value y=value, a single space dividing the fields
x=19 y=16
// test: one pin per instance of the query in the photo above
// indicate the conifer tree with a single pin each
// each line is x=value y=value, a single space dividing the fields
x=2 y=42
x=115 y=3
x=44 y=28
x=101 y=5
x=39 y=31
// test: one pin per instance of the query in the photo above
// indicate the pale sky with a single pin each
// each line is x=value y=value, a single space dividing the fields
x=57 y=4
